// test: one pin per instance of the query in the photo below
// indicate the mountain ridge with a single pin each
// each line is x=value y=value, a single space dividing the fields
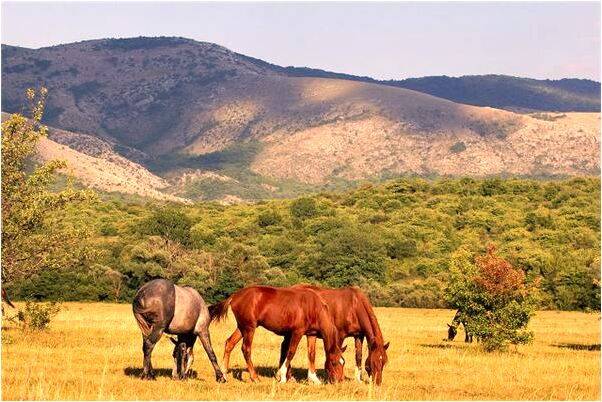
x=181 y=107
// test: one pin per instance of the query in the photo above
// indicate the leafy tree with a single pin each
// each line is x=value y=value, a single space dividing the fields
x=304 y=208
x=170 y=224
x=493 y=297
x=32 y=236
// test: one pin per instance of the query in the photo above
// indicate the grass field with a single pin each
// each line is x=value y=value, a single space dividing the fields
x=93 y=351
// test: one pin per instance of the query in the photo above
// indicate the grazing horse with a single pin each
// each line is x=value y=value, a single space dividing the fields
x=353 y=317
x=160 y=306
x=452 y=329
x=287 y=312
x=6 y=299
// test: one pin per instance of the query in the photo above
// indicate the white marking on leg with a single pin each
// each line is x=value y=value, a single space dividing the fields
x=189 y=362
x=313 y=378
x=358 y=373
x=174 y=370
x=282 y=373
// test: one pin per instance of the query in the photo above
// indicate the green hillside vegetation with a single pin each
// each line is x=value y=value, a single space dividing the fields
x=396 y=241
x=506 y=92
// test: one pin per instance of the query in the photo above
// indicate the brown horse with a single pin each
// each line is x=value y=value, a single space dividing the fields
x=287 y=312
x=353 y=317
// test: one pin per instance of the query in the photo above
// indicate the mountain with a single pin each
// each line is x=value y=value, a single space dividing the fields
x=94 y=163
x=498 y=91
x=215 y=123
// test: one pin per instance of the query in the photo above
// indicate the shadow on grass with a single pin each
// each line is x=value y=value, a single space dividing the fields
x=439 y=345
x=578 y=346
x=299 y=374
x=162 y=372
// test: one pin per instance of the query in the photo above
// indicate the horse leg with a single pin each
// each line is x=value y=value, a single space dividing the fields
x=358 y=357
x=230 y=343
x=148 y=344
x=190 y=340
x=283 y=351
x=311 y=357
x=203 y=334
x=247 y=343
x=285 y=369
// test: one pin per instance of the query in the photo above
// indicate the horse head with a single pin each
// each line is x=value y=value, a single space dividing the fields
x=452 y=331
x=335 y=364
x=180 y=360
x=376 y=360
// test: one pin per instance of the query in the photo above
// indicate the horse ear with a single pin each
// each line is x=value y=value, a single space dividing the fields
x=343 y=349
x=387 y=345
x=449 y=325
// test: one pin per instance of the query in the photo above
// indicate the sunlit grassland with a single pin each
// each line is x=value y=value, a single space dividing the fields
x=93 y=351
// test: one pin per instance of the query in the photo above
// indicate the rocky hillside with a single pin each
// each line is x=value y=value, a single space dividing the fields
x=215 y=123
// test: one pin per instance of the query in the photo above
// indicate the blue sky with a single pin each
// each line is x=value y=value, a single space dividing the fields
x=383 y=40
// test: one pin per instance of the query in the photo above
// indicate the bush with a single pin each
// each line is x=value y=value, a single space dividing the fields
x=304 y=208
x=37 y=316
x=494 y=298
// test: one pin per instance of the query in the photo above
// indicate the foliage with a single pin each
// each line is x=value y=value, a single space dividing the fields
x=34 y=235
x=37 y=316
x=398 y=241
x=170 y=224
x=493 y=297
x=304 y=208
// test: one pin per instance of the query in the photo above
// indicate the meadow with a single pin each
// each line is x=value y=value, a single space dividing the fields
x=92 y=351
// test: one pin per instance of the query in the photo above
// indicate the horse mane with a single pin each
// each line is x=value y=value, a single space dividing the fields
x=371 y=316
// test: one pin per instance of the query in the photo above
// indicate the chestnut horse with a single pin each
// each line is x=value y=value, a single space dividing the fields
x=353 y=317
x=291 y=313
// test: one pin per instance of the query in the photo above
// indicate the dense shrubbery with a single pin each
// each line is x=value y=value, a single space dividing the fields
x=395 y=240
x=494 y=298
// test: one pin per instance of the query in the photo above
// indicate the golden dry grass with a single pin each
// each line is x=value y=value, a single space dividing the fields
x=93 y=351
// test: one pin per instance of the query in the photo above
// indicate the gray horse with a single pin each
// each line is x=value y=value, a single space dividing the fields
x=160 y=306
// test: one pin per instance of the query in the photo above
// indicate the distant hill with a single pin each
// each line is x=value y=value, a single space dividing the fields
x=217 y=124
x=499 y=91
x=504 y=92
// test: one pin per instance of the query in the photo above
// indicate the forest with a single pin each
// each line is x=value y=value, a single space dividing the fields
x=395 y=240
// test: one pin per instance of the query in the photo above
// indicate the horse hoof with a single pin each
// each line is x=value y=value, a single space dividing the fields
x=220 y=378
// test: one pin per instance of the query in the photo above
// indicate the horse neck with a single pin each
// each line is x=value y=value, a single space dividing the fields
x=368 y=321
x=328 y=330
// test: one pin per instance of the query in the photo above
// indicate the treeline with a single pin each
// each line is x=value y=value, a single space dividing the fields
x=394 y=240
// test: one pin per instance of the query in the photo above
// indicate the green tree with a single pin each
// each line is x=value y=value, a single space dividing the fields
x=170 y=224
x=494 y=298
x=33 y=238
x=304 y=208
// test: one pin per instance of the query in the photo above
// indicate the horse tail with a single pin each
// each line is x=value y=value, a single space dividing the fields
x=139 y=314
x=6 y=299
x=219 y=311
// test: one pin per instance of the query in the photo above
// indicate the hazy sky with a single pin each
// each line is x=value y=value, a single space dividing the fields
x=381 y=40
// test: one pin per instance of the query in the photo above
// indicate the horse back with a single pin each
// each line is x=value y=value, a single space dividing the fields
x=279 y=310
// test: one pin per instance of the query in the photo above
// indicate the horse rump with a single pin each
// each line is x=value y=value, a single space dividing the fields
x=140 y=313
